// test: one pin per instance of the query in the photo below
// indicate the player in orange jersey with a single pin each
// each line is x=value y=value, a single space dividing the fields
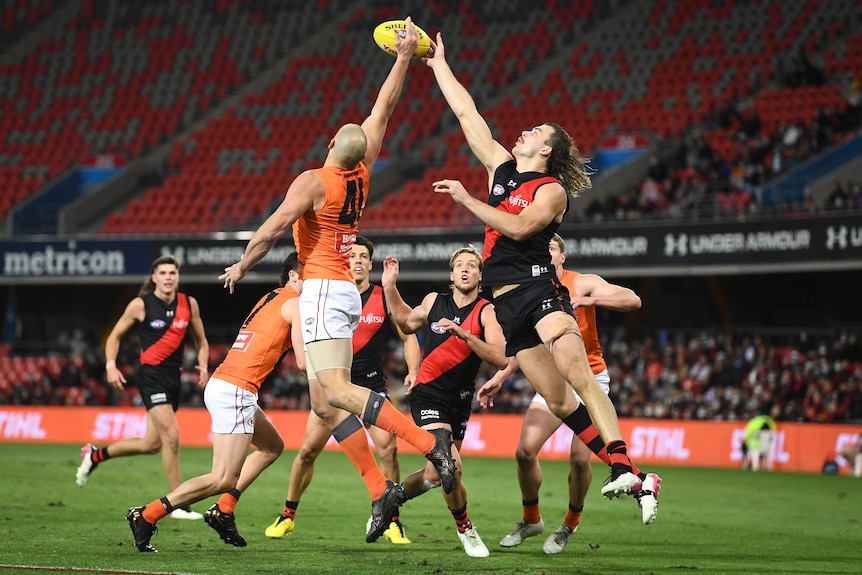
x=587 y=291
x=271 y=329
x=162 y=316
x=323 y=207
x=376 y=329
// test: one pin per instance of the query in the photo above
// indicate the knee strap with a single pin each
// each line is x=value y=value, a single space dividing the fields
x=346 y=428
x=372 y=408
x=559 y=327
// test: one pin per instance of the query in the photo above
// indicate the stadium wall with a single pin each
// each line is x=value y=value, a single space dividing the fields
x=798 y=447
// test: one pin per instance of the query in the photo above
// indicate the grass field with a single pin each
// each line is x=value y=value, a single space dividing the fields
x=710 y=521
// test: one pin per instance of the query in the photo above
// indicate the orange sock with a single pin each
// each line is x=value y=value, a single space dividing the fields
x=393 y=421
x=573 y=518
x=351 y=437
x=531 y=511
x=227 y=501
x=154 y=511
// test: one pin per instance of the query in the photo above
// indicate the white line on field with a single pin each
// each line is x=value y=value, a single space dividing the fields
x=49 y=569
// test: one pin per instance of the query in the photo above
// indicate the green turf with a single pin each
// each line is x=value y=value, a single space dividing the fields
x=710 y=521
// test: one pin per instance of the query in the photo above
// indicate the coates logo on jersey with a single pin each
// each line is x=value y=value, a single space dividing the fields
x=180 y=323
x=437 y=328
x=498 y=190
x=158 y=324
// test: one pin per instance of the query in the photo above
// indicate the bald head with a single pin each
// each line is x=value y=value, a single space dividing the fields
x=350 y=145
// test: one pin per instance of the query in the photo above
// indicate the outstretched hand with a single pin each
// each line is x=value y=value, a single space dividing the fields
x=390 y=272
x=232 y=275
x=437 y=53
x=406 y=45
x=454 y=188
x=485 y=395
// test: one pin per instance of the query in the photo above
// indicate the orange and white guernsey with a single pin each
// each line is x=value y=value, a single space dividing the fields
x=587 y=323
x=323 y=238
x=260 y=343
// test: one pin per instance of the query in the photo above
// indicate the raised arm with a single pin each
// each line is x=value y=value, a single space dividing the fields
x=475 y=128
x=594 y=290
x=375 y=125
x=409 y=320
x=302 y=196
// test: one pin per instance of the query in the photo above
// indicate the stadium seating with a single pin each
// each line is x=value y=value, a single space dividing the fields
x=123 y=78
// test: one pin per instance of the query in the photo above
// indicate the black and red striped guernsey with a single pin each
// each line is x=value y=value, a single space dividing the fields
x=372 y=335
x=447 y=360
x=508 y=261
x=163 y=330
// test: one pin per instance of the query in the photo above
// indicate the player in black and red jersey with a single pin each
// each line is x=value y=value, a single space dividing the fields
x=530 y=189
x=376 y=329
x=463 y=332
x=163 y=316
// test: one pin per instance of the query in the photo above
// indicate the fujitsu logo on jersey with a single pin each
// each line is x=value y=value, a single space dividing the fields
x=180 y=323
x=371 y=318
x=518 y=201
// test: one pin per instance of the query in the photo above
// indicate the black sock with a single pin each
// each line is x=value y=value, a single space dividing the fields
x=167 y=504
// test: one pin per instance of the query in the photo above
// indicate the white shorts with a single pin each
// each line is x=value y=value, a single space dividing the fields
x=329 y=309
x=231 y=407
x=602 y=378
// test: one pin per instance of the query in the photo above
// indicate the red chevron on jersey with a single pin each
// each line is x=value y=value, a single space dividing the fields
x=451 y=352
x=372 y=319
x=173 y=336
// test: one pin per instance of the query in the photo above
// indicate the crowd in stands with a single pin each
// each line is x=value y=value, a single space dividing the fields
x=719 y=167
x=703 y=376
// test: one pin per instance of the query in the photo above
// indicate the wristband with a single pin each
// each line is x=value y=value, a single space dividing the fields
x=110 y=364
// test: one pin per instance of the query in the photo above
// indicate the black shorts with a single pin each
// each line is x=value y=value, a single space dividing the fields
x=431 y=403
x=375 y=381
x=159 y=385
x=519 y=310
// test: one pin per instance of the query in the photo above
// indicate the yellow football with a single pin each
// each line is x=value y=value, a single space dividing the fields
x=384 y=37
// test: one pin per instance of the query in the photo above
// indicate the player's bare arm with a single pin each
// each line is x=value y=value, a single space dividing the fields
x=304 y=194
x=493 y=348
x=409 y=320
x=290 y=314
x=133 y=313
x=593 y=290
x=375 y=125
x=485 y=395
x=412 y=353
x=549 y=205
x=488 y=151
x=197 y=325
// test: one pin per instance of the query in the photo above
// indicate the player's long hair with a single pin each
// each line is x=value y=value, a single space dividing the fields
x=149 y=285
x=566 y=162
x=291 y=264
